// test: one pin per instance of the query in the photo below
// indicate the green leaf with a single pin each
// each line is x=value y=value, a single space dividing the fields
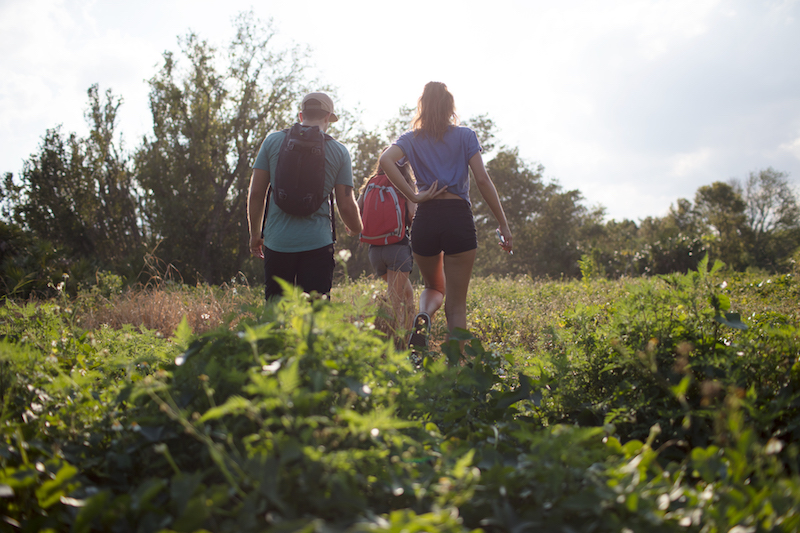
x=702 y=266
x=522 y=392
x=732 y=320
x=460 y=469
x=145 y=492
x=95 y=507
x=183 y=333
x=680 y=389
x=289 y=378
x=233 y=405
x=51 y=491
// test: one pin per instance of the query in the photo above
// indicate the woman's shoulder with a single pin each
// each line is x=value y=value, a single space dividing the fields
x=406 y=135
x=463 y=130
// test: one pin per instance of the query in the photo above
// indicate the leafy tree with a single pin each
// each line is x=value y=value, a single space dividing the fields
x=520 y=190
x=673 y=243
x=78 y=193
x=548 y=222
x=53 y=201
x=613 y=247
x=771 y=205
x=722 y=211
x=110 y=172
x=773 y=216
x=485 y=129
x=208 y=125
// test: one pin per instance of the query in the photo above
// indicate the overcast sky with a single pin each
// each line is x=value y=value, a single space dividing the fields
x=635 y=103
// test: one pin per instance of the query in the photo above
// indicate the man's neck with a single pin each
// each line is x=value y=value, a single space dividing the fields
x=319 y=123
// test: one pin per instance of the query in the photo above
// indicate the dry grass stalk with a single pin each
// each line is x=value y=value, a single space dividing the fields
x=162 y=309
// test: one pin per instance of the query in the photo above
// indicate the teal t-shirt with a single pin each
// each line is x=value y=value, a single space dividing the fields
x=290 y=234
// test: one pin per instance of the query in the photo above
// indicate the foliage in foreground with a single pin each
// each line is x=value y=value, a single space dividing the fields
x=299 y=419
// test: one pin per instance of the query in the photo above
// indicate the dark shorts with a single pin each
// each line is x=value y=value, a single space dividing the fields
x=395 y=257
x=311 y=270
x=443 y=226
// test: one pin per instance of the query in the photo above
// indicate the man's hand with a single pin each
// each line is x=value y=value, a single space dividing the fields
x=257 y=246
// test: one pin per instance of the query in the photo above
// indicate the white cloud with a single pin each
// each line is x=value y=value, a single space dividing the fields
x=793 y=147
x=692 y=163
x=633 y=102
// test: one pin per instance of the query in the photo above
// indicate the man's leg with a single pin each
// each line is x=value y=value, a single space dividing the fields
x=281 y=265
x=315 y=270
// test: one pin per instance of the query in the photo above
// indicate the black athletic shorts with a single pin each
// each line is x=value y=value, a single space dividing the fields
x=443 y=226
x=311 y=270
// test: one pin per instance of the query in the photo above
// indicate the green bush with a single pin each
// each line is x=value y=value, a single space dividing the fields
x=300 y=418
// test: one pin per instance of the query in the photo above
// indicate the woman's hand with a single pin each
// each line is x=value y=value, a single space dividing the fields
x=504 y=234
x=430 y=193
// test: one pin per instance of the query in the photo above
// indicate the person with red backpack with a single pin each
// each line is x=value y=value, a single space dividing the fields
x=386 y=216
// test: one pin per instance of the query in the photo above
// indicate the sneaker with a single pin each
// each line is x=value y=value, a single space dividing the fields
x=420 y=332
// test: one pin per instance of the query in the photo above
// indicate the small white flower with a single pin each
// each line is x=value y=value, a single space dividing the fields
x=773 y=446
x=271 y=368
x=375 y=432
x=345 y=255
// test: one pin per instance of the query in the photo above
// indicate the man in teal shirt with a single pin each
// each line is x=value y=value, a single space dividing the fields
x=300 y=249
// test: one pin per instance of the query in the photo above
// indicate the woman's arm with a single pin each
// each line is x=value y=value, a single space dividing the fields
x=389 y=160
x=411 y=210
x=489 y=193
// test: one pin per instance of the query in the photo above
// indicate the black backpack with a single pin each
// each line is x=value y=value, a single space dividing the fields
x=299 y=184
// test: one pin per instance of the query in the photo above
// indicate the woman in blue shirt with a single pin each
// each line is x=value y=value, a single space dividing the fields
x=443 y=235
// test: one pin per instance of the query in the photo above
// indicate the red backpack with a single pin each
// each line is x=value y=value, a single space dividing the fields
x=384 y=213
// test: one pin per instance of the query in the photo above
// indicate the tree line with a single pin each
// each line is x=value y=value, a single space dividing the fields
x=83 y=205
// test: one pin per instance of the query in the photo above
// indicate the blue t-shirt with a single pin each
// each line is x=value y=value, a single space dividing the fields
x=290 y=234
x=446 y=160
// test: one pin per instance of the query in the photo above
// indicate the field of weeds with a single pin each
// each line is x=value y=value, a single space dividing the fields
x=661 y=404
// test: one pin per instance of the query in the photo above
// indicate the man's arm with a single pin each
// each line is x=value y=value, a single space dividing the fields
x=256 y=200
x=348 y=208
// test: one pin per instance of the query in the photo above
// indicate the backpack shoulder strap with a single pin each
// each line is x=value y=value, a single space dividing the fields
x=271 y=177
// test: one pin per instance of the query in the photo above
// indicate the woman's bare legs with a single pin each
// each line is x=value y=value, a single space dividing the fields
x=457 y=271
x=446 y=274
x=432 y=270
x=401 y=296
